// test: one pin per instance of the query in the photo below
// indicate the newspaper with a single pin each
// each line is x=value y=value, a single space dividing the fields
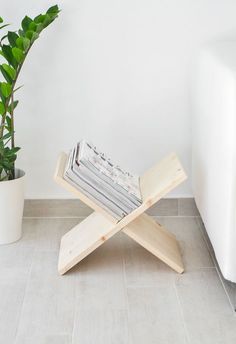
x=94 y=174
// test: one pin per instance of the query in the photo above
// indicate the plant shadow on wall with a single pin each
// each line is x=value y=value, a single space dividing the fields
x=14 y=48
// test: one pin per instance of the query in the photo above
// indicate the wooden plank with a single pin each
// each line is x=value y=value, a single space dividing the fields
x=161 y=179
x=157 y=240
x=154 y=184
x=96 y=229
x=100 y=226
x=84 y=239
x=58 y=177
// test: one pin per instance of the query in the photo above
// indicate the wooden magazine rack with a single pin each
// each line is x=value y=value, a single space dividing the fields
x=100 y=226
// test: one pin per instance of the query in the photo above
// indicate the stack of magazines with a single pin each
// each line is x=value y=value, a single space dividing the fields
x=97 y=177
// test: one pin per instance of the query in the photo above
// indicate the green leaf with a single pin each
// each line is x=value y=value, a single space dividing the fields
x=6 y=89
x=40 y=18
x=2 y=179
x=53 y=10
x=43 y=19
x=18 y=54
x=32 y=26
x=25 y=23
x=6 y=136
x=21 y=32
x=7 y=53
x=32 y=36
x=1 y=95
x=2 y=108
x=12 y=37
x=26 y=43
x=8 y=120
x=15 y=103
x=23 y=43
x=15 y=150
x=7 y=164
x=2 y=39
x=10 y=71
x=5 y=75
x=2 y=27
x=18 y=88
x=19 y=43
x=1 y=20
x=39 y=27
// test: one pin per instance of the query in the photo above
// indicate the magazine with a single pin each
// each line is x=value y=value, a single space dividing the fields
x=110 y=186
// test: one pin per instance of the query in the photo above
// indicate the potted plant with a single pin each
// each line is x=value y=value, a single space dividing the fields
x=14 y=48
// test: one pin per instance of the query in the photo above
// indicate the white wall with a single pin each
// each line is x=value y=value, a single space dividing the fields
x=115 y=72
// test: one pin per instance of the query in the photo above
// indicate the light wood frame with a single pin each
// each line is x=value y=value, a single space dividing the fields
x=98 y=227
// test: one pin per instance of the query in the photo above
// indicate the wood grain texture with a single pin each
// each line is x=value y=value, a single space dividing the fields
x=96 y=229
x=84 y=239
x=157 y=240
x=159 y=180
x=100 y=226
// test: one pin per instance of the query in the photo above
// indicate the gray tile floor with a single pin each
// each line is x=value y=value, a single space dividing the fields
x=120 y=294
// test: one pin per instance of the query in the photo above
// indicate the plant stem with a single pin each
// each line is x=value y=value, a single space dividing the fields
x=12 y=91
x=12 y=131
x=3 y=121
x=4 y=118
x=12 y=122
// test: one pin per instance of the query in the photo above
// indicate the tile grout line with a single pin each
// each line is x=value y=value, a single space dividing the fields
x=177 y=216
x=216 y=266
x=227 y=294
x=73 y=329
x=182 y=314
x=23 y=301
x=54 y=217
x=126 y=295
x=84 y=217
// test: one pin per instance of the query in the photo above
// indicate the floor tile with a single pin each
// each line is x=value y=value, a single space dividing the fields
x=48 y=306
x=46 y=233
x=101 y=302
x=193 y=247
x=15 y=256
x=142 y=268
x=207 y=313
x=44 y=339
x=76 y=208
x=56 y=208
x=104 y=326
x=15 y=264
x=229 y=287
x=187 y=207
x=13 y=282
x=155 y=316
x=205 y=236
x=100 y=278
x=164 y=207
x=119 y=294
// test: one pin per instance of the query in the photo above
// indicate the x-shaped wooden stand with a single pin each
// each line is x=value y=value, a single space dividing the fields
x=98 y=227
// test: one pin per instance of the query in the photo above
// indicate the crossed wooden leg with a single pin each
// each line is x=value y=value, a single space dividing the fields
x=98 y=227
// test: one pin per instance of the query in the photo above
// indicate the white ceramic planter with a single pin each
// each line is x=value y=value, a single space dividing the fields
x=11 y=208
